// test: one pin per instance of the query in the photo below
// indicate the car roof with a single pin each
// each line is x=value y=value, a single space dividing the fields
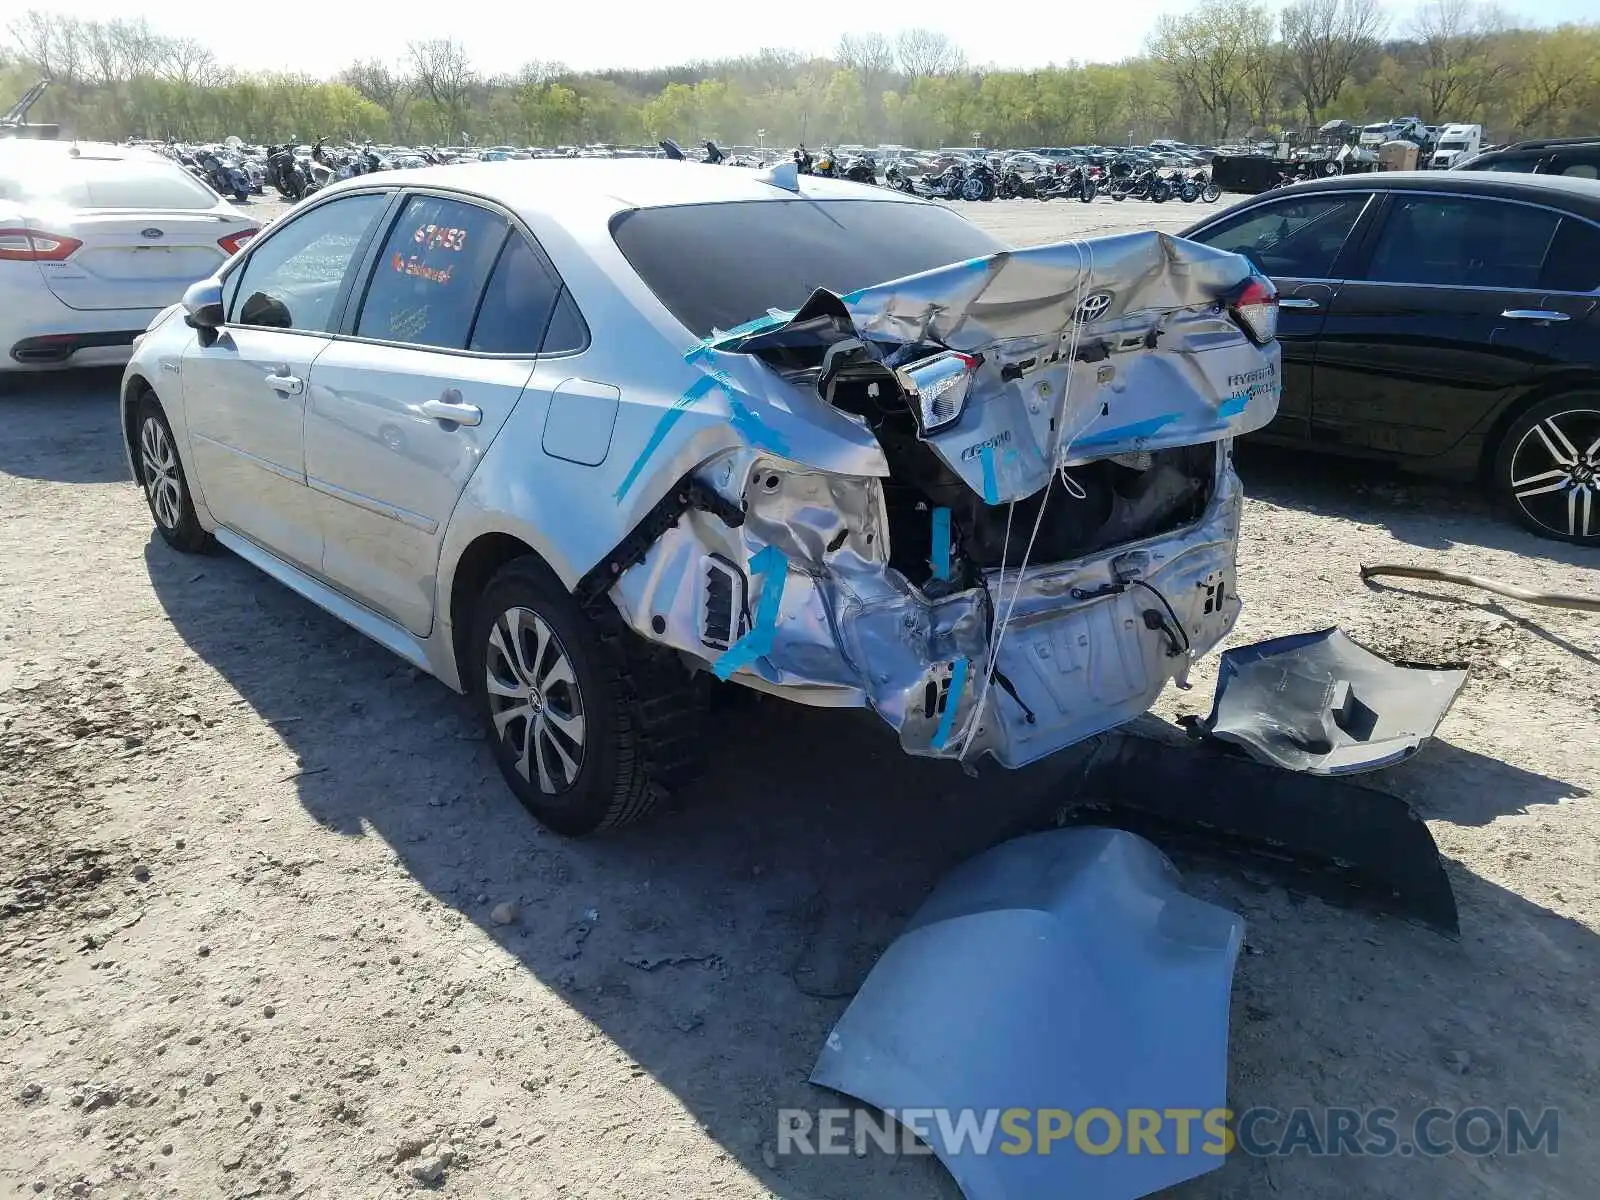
x=567 y=189
x=1581 y=195
x=28 y=149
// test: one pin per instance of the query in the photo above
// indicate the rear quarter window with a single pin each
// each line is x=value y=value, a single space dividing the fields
x=716 y=266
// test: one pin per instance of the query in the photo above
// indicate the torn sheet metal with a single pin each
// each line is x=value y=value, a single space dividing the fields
x=1100 y=384
x=1322 y=704
x=1348 y=844
x=1130 y=328
x=1063 y=971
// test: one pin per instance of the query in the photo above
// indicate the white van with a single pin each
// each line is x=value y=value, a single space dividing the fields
x=1457 y=143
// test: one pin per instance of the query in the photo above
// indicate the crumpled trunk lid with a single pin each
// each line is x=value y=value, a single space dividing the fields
x=1087 y=350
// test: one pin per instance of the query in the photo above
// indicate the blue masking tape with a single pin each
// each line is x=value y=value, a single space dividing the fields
x=671 y=417
x=941 y=543
x=773 y=566
x=756 y=431
x=947 y=719
x=991 y=490
x=1121 y=433
x=1233 y=405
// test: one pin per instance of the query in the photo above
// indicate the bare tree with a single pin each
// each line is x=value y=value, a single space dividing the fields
x=926 y=52
x=376 y=81
x=1455 y=42
x=866 y=53
x=188 y=62
x=1323 y=43
x=1205 y=54
x=53 y=44
x=443 y=75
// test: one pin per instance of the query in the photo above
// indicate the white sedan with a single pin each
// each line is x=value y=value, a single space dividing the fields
x=95 y=240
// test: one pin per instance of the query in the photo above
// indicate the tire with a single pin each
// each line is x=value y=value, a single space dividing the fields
x=1211 y=193
x=613 y=723
x=161 y=477
x=1086 y=194
x=972 y=189
x=1547 y=469
x=1119 y=195
x=1190 y=192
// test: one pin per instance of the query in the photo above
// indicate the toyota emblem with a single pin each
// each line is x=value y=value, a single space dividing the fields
x=152 y=233
x=1095 y=305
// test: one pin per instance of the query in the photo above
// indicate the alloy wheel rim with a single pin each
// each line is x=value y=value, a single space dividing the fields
x=1555 y=473
x=535 y=701
x=162 y=483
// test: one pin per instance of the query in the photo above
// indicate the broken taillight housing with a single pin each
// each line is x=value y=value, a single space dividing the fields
x=33 y=245
x=1255 y=307
x=937 y=387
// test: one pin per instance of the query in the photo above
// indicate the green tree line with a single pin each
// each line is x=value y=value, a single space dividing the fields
x=1223 y=69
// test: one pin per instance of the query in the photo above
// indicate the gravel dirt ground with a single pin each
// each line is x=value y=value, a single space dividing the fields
x=252 y=934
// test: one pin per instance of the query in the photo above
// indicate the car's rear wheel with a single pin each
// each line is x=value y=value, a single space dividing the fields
x=590 y=728
x=1547 y=470
x=166 y=487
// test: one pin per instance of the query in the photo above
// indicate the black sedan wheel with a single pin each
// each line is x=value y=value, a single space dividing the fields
x=1548 y=469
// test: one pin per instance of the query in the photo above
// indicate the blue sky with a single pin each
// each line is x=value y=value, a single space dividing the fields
x=320 y=37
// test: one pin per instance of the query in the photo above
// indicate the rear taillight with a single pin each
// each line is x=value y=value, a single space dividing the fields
x=234 y=241
x=938 y=386
x=1255 y=307
x=33 y=245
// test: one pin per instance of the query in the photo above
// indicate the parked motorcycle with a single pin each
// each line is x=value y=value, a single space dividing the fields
x=225 y=174
x=858 y=168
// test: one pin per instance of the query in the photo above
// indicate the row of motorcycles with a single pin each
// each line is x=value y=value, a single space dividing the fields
x=1152 y=185
x=296 y=175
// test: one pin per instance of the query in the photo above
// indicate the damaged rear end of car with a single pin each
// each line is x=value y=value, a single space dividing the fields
x=1046 y=534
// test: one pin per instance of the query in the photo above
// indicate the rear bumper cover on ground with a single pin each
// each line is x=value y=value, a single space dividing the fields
x=1060 y=973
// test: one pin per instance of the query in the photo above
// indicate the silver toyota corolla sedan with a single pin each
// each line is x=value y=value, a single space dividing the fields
x=578 y=436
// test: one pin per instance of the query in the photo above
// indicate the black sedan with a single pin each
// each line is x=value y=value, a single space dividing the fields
x=1447 y=321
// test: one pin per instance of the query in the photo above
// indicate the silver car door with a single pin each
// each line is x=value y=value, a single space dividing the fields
x=244 y=393
x=404 y=409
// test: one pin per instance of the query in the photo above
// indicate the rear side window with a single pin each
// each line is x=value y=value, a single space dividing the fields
x=1294 y=239
x=111 y=183
x=1522 y=164
x=295 y=273
x=716 y=266
x=522 y=293
x=1573 y=264
x=1577 y=164
x=430 y=275
x=1465 y=241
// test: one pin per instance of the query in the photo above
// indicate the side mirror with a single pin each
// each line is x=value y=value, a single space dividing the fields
x=202 y=309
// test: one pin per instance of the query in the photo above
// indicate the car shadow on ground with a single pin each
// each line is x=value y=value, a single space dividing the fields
x=77 y=412
x=1431 y=514
x=716 y=945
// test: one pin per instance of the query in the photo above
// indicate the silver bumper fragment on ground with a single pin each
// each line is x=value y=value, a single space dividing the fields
x=1322 y=704
x=1062 y=971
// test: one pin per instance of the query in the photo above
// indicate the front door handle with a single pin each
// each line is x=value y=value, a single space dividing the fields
x=1534 y=314
x=1298 y=302
x=285 y=384
x=450 y=407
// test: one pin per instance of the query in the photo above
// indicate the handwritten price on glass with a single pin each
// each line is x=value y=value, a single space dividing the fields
x=441 y=236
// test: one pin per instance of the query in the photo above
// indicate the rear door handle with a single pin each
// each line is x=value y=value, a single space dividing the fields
x=1534 y=314
x=285 y=384
x=449 y=407
x=1298 y=302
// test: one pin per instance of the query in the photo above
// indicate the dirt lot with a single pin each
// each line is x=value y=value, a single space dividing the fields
x=251 y=860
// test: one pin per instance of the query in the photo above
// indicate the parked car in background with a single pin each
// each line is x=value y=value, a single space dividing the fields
x=1577 y=157
x=1447 y=321
x=95 y=240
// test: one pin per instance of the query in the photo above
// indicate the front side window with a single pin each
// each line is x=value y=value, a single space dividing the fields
x=1292 y=239
x=295 y=273
x=1464 y=241
x=430 y=275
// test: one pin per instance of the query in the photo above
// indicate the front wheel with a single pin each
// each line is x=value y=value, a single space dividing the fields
x=1086 y=194
x=1547 y=470
x=972 y=189
x=166 y=487
x=1211 y=193
x=588 y=731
